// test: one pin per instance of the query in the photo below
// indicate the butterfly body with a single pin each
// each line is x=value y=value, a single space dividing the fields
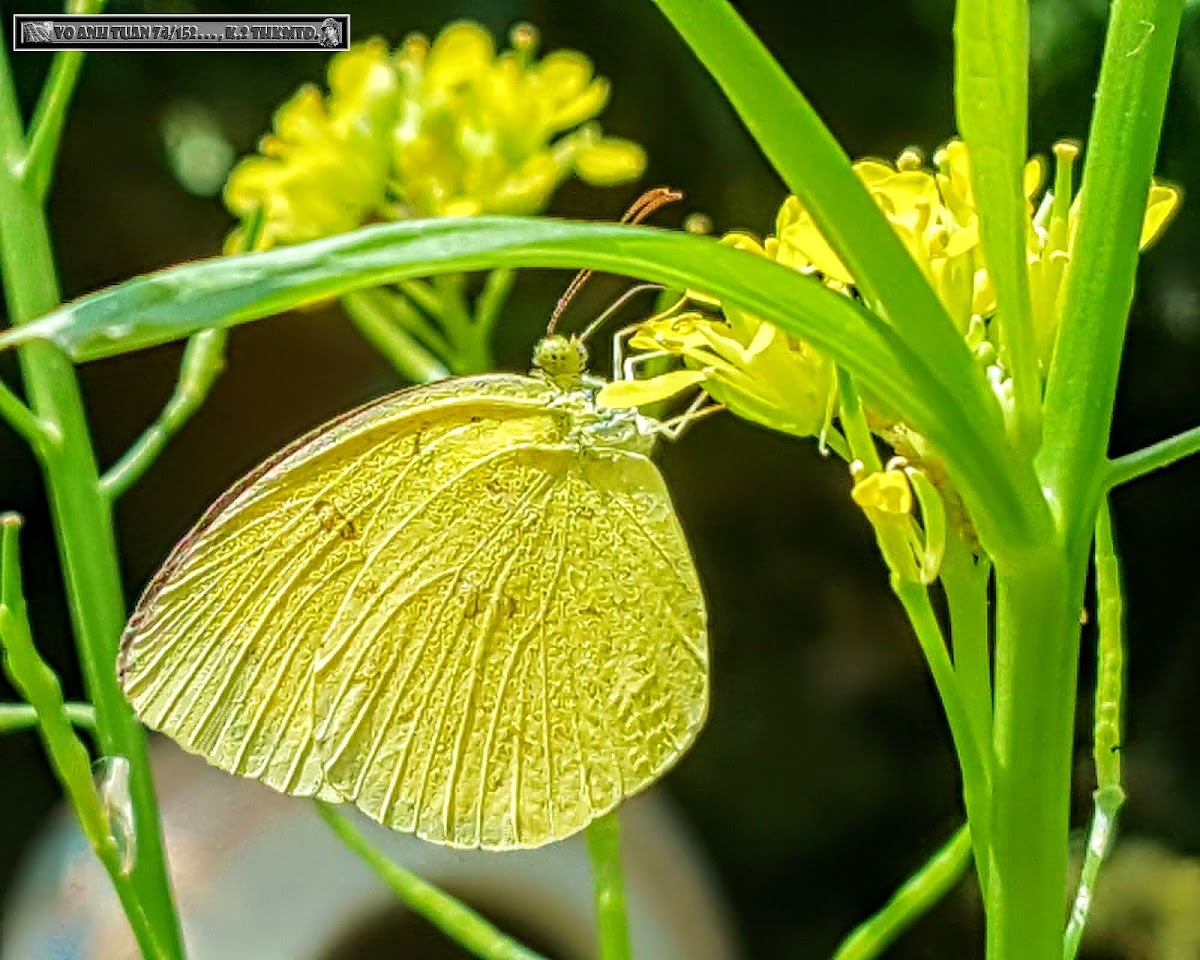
x=467 y=608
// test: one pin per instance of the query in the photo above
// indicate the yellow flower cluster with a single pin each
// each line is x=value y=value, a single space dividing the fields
x=449 y=128
x=766 y=376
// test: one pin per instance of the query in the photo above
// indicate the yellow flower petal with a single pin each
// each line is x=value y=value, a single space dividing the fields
x=462 y=51
x=609 y=161
x=887 y=491
x=621 y=394
x=1160 y=208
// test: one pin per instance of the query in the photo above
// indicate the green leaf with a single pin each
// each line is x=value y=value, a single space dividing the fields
x=816 y=169
x=944 y=398
x=1098 y=287
x=991 y=94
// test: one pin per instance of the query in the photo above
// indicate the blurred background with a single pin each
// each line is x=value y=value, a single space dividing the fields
x=824 y=776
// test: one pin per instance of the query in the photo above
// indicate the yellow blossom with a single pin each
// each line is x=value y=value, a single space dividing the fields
x=913 y=550
x=773 y=379
x=447 y=128
x=758 y=372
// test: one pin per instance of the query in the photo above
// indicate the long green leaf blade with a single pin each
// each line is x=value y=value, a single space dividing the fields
x=947 y=401
x=816 y=169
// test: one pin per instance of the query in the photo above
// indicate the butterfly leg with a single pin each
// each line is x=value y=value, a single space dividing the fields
x=697 y=410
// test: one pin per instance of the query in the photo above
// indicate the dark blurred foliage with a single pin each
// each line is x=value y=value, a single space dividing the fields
x=824 y=776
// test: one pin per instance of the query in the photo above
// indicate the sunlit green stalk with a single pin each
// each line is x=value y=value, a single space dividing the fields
x=449 y=915
x=604 y=847
x=1162 y=454
x=912 y=901
x=1039 y=596
x=854 y=423
x=82 y=518
x=1109 y=796
x=1037 y=653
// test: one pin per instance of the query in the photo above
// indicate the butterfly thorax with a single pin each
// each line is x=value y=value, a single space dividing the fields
x=593 y=427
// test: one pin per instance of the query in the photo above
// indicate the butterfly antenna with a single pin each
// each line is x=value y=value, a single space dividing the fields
x=617 y=305
x=650 y=201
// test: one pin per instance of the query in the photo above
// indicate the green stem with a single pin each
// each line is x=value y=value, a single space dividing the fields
x=470 y=347
x=51 y=113
x=29 y=428
x=965 y=581
x=23 y=716
x=604 y=847
x=69 y=758
x=1098 y=286
x=974 y=758
x=423 y=295
x=203 y=361
x=403 y=311
x=854 y=424
x=82 y=517
x=1037 y=658
x=918 y=894
x=449 y=915
x=491 y=300
x=1109 y=796
x=991 y=99
x=971 y=749
x=1162 y=454
x=813 y=166
x=402 y=351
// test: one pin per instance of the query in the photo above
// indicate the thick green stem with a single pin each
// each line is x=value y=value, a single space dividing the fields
x=1037 y=653
x=451 y=916
x=82 y=518
x=604 y=846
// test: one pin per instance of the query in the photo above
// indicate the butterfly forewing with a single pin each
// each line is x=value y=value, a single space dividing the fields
x=219 y=653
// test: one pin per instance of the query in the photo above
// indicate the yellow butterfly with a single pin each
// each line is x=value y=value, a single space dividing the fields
x=468 y=608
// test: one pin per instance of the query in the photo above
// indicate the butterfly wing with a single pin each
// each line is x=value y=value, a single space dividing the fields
x=219 y=652
x=524 y=653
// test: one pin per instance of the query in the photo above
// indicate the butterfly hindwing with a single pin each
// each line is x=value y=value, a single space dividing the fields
x=541 y=660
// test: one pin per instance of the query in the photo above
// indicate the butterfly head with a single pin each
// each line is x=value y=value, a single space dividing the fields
x=563 y=359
